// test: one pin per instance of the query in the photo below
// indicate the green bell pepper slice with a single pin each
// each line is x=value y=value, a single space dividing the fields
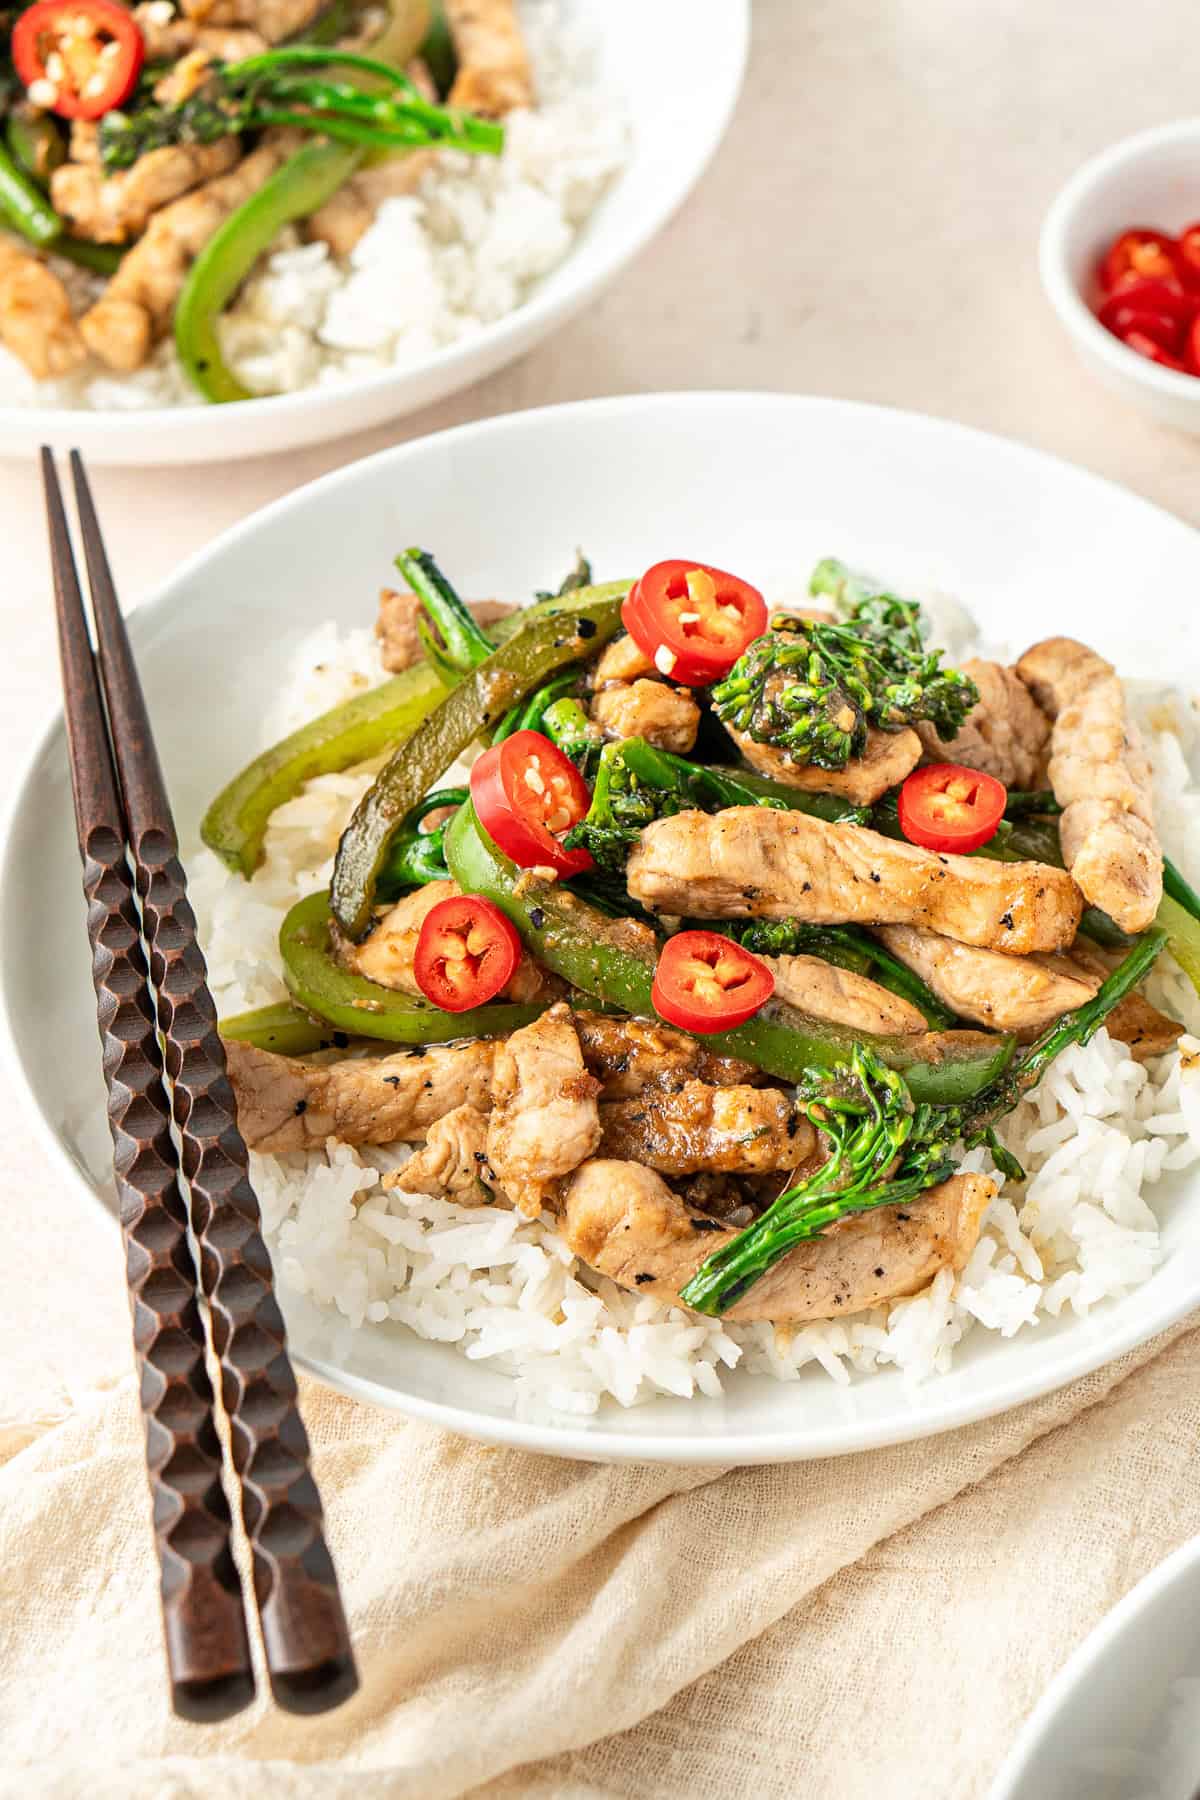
x=595 y=955
x=360 y=728
x=559 y=631
x=284 y=1028
x=297 y=188
x=362 y=1008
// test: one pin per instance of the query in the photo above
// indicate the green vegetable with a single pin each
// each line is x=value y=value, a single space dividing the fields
x=294 y=85
x=437 y=50
x=578 y=576
x=25 y=207
x=286 y=1029
x=635 y=783
x=354 y=732
x=557 y=632
x=298 y=187
x=846 y=946
x=364 y=1009
x=35 y=142
x=811 y=690
x=883 y=1151
x=461 y=644
x=418 y=857
x=596 y=956
x=101 y=259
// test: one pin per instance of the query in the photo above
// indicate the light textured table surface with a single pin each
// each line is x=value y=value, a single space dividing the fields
x=868 y=230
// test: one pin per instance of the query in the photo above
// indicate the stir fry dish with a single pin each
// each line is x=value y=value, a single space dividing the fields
x=164 y=148
x=722 y=940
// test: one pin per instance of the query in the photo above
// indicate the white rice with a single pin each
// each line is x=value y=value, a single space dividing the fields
x=1096 y=1138
x=436 y=266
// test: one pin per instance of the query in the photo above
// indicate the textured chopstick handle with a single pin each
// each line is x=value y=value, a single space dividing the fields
x=204 y=1619
x=307 y=1641
x=309 y=1657
x=208 y=1651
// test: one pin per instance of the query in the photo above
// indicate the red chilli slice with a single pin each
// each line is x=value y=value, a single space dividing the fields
x=948 y=807
x=693 y=621
x=527 y=793
x=467 y=952
x=705 y=982
x=93 y=47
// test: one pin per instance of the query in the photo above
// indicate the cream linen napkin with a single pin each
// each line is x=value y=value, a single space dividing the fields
x=856 y=1627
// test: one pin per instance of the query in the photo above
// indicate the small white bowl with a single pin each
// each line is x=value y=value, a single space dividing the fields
x=1152 y=179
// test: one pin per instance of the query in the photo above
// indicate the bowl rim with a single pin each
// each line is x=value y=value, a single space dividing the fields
x=1037 y=1730
x=1081 y=1354
x=1062 y=292
x=538 y=315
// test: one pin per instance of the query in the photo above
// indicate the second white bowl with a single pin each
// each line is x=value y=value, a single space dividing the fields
x=1151 y=179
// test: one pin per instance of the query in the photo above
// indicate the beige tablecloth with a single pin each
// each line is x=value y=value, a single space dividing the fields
x=878 y=1625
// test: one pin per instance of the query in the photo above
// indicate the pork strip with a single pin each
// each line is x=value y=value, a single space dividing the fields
x=36 y=322
x=494 y=74
x=386 y=955
x=396 y=624
x=112 y=209
x=285 y=1103
x=665 y=716
x=628 y=1055
x=544 y=1120
x=755 y=862
x=453 y=1163
x=1101 y=779
x=137 y=305
x=1025 y=993
x=621 y=660
x=349 y=214
x=889 y=756
x=694 y=1128
x=272 y=19
x=1006 y=734
x=842 y=996
x=624 y=1221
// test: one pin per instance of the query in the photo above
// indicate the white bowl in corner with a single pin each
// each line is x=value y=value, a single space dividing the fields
x=1150 y=179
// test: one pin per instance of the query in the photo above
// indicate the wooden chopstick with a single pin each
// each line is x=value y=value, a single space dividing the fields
x=208 y=1651
x=309 y=1658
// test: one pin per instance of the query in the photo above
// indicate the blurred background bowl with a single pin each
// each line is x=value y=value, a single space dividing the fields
x=1152 y=179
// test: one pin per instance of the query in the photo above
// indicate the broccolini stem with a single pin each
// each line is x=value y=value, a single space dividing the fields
x=464 y=643
x=869 y=1132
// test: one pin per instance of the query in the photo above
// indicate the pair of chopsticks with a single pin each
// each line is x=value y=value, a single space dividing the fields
x=195 y=1257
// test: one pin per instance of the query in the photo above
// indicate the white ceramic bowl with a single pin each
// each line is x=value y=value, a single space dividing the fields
x=677 y=65
x=1151 y=179
x=1121 y=1720
x=765 y=484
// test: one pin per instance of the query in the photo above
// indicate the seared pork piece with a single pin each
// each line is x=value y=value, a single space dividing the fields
x=386 y=954
x=493 y=65
x=544 y=1118
x=1144 y=1030
x=621 y=660
x=453 y=1162
x=272 y=19
x=111 y=209
x=1005 y=993
x=723 y=1130
x=753 y=862
x=168 y=36
x=665 y=716
x=887 y=759
x=285 y=1103
x=1025 y=993
x=349 y=213
x=36 y=322
x=1101 y=779
x=138 y=303
x=1006 y=734
x=629 y=1054
x=842 y=996
x=624 y=1221
x=396 y=625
